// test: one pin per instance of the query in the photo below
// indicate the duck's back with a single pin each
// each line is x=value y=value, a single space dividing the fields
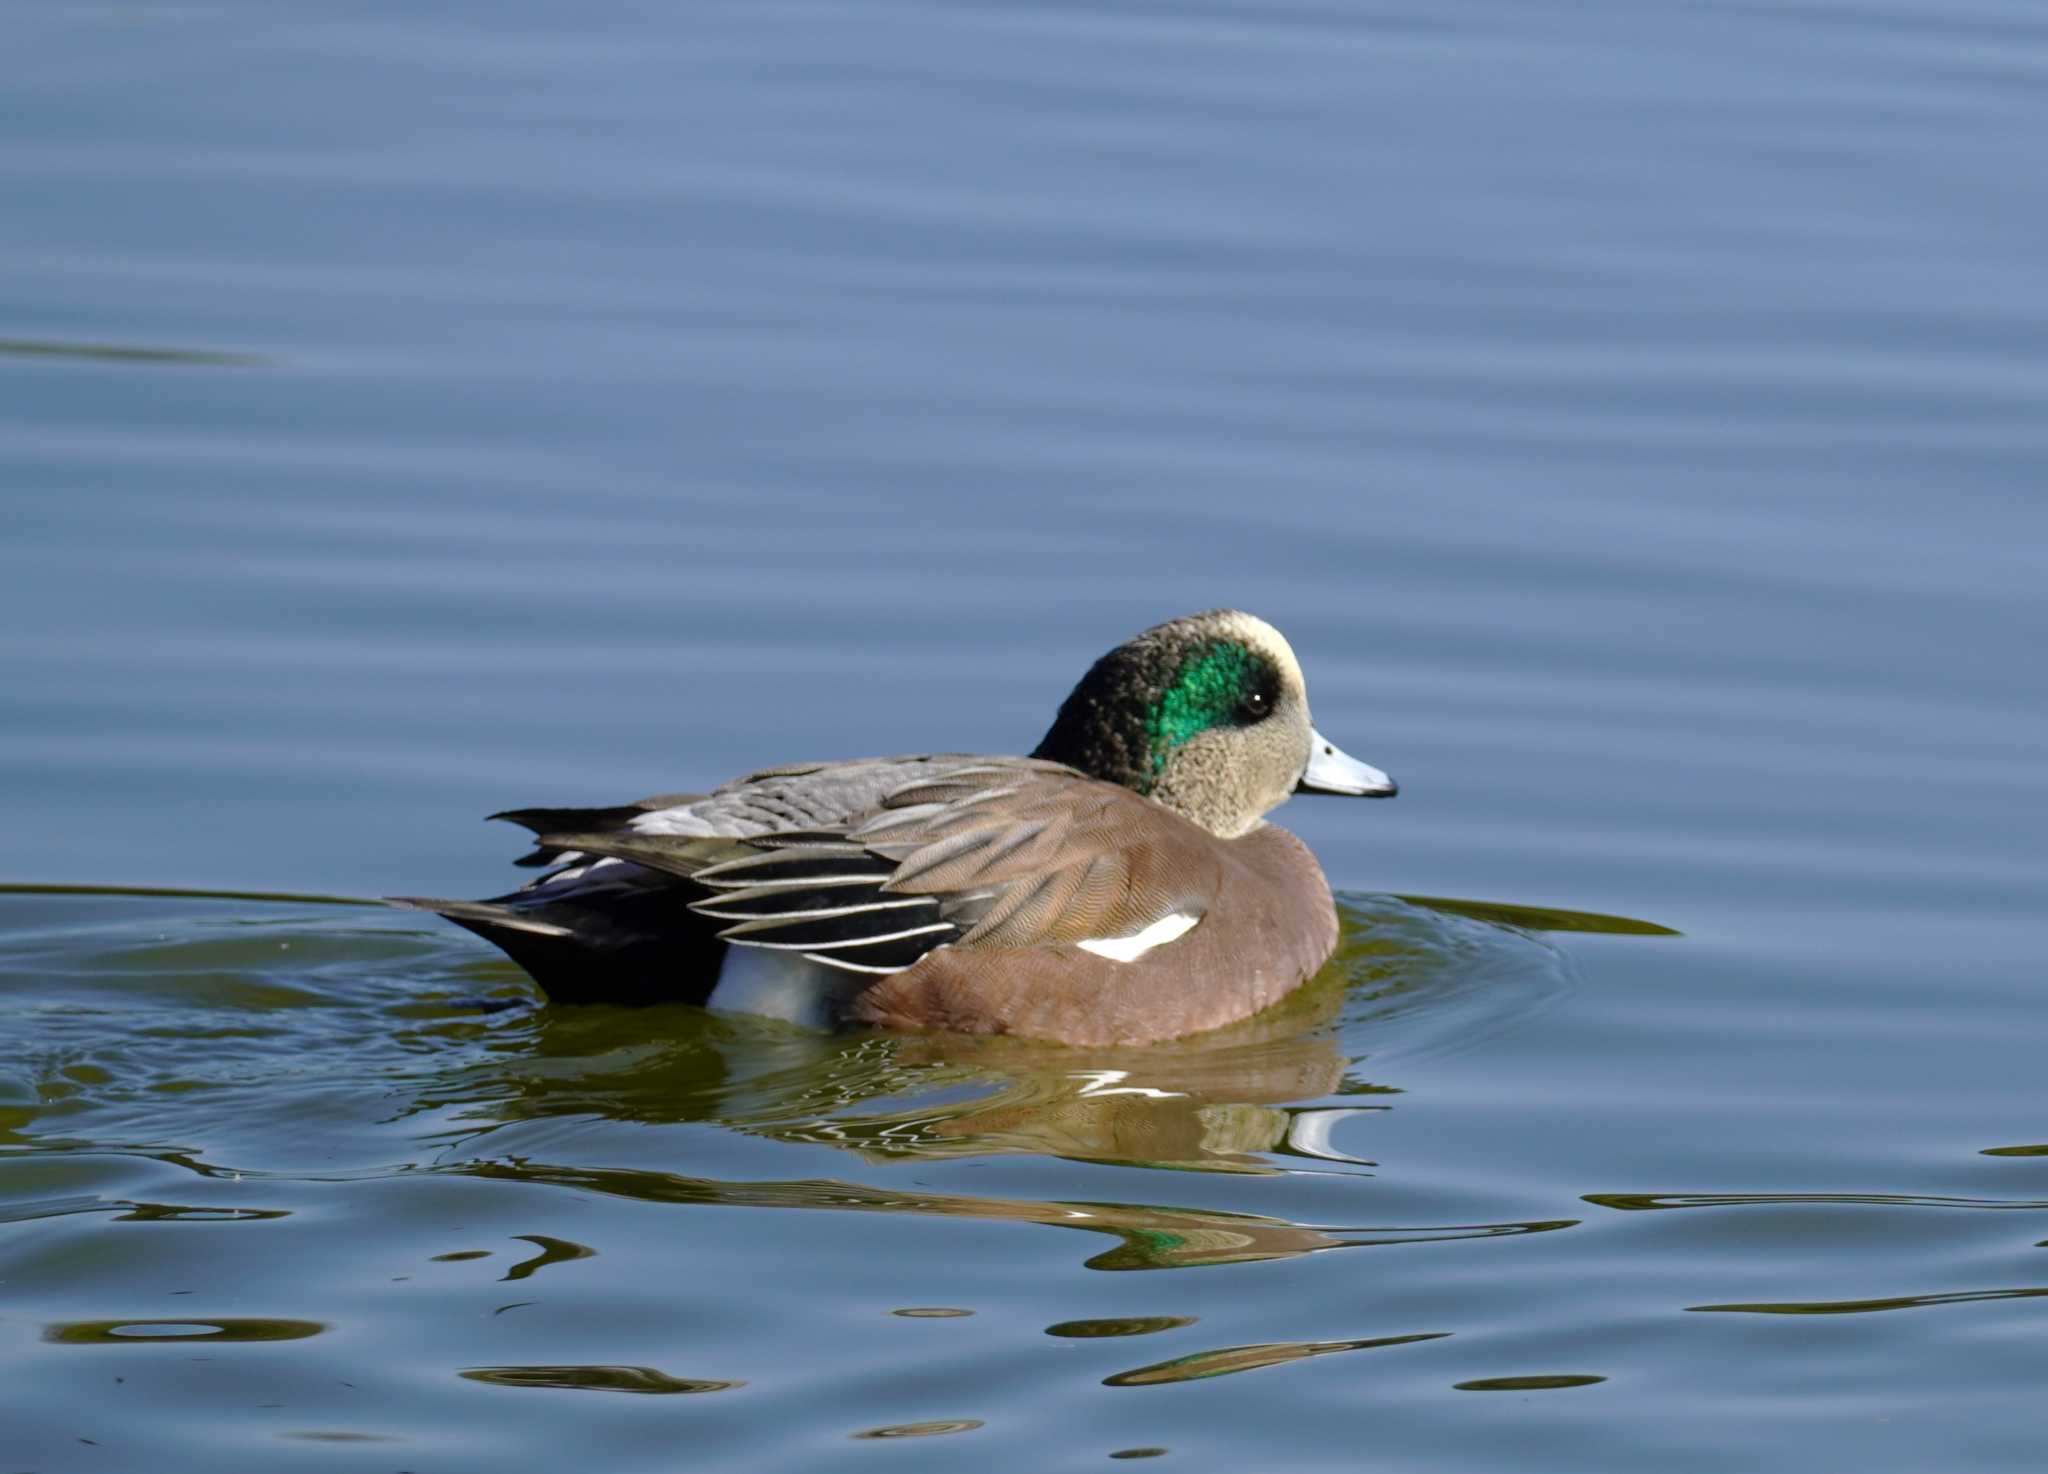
x=912 y=892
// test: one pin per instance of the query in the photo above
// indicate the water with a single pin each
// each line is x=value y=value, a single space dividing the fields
x=1634 y=416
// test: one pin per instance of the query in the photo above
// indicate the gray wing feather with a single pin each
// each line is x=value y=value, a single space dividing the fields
x=868 y=865
x=1017 y=859
x=798 y=796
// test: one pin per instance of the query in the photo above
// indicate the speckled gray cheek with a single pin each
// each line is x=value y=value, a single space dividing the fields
x=1227 y=779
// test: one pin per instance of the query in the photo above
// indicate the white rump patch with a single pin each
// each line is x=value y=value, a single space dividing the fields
x=1136 y=945
x=777 y=985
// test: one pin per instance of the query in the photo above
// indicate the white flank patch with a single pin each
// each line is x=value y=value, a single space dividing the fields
x=1131 y=948
x=777 y=985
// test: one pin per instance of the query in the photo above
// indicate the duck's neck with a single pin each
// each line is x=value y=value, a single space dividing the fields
x=1103 y=726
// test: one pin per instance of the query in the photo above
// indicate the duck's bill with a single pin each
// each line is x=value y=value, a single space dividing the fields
x=1332 y=770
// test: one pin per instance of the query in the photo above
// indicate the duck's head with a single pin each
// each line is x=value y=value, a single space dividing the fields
x=1209 y=716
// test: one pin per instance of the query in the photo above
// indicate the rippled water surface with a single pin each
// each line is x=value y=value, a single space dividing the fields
x=1636 y=416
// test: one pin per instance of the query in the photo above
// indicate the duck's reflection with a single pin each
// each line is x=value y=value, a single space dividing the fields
x=1225 y=1102
x=1148 y=1237
x=1244 y=1098
x=1278 y=1093
x=1231 y=1101
x=513 y=1092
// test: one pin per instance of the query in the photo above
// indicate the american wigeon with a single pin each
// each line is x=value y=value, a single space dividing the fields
x=1120 y=885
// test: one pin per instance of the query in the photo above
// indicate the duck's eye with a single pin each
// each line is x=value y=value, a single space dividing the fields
x=1256 y=705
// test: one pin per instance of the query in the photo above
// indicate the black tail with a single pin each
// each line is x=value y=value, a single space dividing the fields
x=555 y=821
x=633 y=943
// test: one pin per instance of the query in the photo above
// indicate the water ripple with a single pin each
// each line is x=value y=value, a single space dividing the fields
x=1862 y=1307
x=188 y=1328
x=1228 y=1360
x=1151 y=1237
x=1651 y=1202
x=595 y=1379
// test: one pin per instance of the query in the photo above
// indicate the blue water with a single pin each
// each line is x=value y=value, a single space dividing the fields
x=1635 y=416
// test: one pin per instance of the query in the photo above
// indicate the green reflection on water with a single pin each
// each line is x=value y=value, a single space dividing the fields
x=178 y=1213
x=1125 y=1325
x=1149 y=1237
x=1227 y=1360
x=644 y=1380
x=552 y=1251
x=1542 y=918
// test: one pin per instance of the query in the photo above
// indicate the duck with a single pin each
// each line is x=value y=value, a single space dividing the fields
x=1120 y=885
